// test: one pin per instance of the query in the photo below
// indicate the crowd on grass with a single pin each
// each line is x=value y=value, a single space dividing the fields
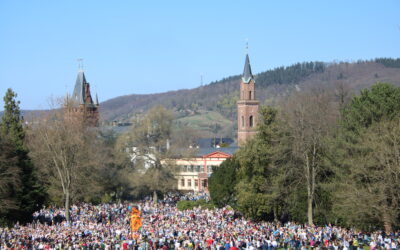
x=106 y=226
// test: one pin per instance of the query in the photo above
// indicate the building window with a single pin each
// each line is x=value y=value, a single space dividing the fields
x=182 y=182
x=250 y=95
x=189 y=182
x=251 y=121
x=191 y=168
x=242 y=121
x=196 y=183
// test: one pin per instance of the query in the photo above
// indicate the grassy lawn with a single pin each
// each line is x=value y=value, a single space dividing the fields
x=204 y=120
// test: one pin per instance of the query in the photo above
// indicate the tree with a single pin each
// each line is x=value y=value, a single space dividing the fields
x=11 y=122
x=30 y=194
x=227 y=104
x=367 y=159
x=258 y=177
x=342 y=93
x=69 y=155
x=148 y=143
x=381 y=102
x=222 y=183
x=10 y=181
x=373 y=185
x=310 y=119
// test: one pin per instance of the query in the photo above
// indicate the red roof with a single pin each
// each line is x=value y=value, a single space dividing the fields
x=217 y=154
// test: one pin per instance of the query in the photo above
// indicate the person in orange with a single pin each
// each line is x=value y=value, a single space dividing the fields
x=136 y=221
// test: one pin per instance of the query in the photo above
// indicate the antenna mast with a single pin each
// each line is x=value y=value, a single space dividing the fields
x=80 y=63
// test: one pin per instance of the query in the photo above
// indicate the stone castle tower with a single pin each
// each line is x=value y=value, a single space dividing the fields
x=247 y=105
x=81 y=105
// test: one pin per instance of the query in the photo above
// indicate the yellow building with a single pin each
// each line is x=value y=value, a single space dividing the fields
x=193 y=173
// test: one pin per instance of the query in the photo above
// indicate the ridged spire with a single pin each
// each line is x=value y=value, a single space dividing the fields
x=247 y=75
x=79 y=90
x=81 y=94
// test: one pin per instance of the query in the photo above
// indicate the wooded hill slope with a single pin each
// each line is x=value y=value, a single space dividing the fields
x=212 y=108
x=218 y=99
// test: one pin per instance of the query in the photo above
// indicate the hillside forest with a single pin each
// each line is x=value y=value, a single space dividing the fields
x=211 y=109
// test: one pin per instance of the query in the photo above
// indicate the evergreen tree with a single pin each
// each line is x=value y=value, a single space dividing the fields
x=11 y=124
x=366 y=153
x=31 y=195
x=222 y=183
x=381 y=102
x=10 y=181
x=258 y=188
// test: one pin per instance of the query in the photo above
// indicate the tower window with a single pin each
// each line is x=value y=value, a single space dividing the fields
x=250 y=95
x=251 y=121
x=242 y=121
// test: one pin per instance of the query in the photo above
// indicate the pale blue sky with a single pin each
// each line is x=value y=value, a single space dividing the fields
x=154 y=46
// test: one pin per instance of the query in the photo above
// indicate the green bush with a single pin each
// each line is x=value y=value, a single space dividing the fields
x=186 y=205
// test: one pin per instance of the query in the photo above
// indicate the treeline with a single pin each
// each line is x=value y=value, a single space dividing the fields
x=389 y=62
x=289 y=75
x=320 y=159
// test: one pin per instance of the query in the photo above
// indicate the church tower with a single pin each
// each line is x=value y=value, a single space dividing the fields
x=81 y=105
x=247 y=105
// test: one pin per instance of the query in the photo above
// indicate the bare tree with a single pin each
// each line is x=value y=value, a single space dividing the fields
x=148 y=144
x=309 y=118
x=342 y=92
x=65 y=150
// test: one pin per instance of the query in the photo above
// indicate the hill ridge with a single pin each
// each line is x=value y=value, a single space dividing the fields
x=272 y=86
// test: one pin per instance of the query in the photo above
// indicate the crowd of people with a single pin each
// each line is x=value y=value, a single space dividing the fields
x=106 y=226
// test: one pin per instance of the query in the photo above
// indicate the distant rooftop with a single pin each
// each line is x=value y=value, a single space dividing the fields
x=205 y=146
x=205 y=151
x=214 y=142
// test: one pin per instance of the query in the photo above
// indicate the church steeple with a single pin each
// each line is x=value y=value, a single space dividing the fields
x=247 y=105
x=247 y=75
x=247 y=84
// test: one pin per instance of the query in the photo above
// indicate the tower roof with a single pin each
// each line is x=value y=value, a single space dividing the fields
x=81 y=90
x=247 y=75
